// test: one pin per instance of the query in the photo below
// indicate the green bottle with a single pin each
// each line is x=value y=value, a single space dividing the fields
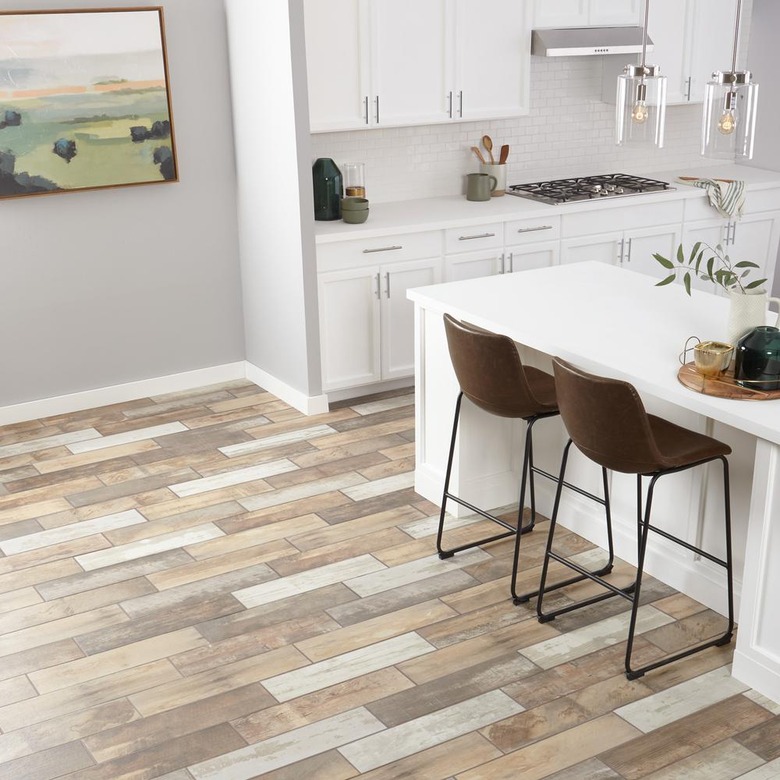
x=328 y=189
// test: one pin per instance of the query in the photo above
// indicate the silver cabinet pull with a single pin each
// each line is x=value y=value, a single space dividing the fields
x=450 y=104
x=628 y=253
x=511 y=262
x=503 y=267
x=471 y=238
x=377 y=109
x=383 y=249
x=365 y=108
x=733 y=232
x=378 y=290
x=534 y=229
x=620 y=250
x=387 y=283
x=460 y=104
x=688 y=88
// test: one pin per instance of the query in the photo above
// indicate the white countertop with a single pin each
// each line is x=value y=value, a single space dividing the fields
x=414 y=216
x=607 y=320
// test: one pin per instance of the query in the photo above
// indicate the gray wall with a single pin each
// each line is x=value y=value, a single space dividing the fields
x=762 y=61
x=111 y=286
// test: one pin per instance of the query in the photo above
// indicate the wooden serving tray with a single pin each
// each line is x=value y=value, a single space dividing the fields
x=722 y=386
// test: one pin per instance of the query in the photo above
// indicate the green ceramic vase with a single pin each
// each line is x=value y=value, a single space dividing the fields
x=757 y=362
x=328 y=189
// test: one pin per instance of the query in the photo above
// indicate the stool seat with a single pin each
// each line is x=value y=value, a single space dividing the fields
x=680 y=446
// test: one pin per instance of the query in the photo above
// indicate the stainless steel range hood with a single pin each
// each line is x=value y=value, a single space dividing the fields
x=582 y=41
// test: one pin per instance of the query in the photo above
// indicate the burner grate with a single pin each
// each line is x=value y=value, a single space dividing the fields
x=559 y=191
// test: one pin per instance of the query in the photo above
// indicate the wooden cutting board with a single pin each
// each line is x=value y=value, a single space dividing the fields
x=722 y=386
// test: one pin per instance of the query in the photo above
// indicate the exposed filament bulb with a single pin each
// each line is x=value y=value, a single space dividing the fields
x=728 y=121
x=639 y=112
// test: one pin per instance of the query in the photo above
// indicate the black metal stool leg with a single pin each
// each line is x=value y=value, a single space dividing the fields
x=448 y=553
x=528 y=475
x=447 y=495
x=725 y=638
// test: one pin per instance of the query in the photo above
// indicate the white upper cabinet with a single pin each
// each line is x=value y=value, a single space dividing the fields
x=493 y=46
x=386 y=63
x=691 y=38
x=337 y=70
x=410 y=56
x=587 y=13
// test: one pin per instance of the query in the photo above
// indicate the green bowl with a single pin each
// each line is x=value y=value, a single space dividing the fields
x=354 y=204
x=355 y=217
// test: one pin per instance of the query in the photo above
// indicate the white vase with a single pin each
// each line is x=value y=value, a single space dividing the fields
x=747 y=311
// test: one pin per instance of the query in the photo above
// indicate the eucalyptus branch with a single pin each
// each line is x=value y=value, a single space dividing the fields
x=711 y=265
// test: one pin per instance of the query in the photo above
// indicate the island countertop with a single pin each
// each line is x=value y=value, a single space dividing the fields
x=607 y=320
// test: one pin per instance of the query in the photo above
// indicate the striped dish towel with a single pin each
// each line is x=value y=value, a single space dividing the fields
x=726 y=195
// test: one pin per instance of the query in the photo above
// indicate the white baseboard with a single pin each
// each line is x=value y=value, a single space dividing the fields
x=129 y=391
x=173 y=383
x=317 y=404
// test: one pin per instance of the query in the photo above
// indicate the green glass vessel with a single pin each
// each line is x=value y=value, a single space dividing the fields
x=757 y=362
x=328 y=189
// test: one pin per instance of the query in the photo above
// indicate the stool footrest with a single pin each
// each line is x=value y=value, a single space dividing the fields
x=635 y=674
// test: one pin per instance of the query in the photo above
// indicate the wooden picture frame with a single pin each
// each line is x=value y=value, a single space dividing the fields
x=84 y=100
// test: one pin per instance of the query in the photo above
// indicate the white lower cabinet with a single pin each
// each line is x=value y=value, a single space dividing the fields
x=474 y=251
x=654 y=228
x=754 y=237
x=531 y=243
x=367 y=322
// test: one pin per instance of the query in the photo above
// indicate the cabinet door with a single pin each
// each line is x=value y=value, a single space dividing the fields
x=560 y=13
x=398 y=313
x=349 y=327
x=536 y=255
x=755 y=237
x=711 y=41
x=336 y=64
x=473 y=265
x=604 y=248
x=669 y=29
x=493 y=59
x=603 y=12
x=711 y=232
x=411 y=47
x=642 y=244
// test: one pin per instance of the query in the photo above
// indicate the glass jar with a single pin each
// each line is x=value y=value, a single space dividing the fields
x=355 y=180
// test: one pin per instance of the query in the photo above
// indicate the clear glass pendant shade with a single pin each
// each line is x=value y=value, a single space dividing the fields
x=729 y=116
x=640 y=106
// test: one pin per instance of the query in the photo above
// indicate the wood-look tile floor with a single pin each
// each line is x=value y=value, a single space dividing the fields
x=210 y=585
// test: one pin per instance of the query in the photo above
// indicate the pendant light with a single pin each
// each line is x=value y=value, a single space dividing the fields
x=641 y=101
x=729 y=117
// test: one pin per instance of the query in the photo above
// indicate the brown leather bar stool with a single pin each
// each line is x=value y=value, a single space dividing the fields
x=606 y=420
x=492 y=376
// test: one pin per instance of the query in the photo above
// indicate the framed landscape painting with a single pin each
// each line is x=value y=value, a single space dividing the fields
x=84 y=101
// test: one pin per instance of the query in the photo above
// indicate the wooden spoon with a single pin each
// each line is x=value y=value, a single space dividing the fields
x=504 y=154
x=476 y=151
x=487 y=142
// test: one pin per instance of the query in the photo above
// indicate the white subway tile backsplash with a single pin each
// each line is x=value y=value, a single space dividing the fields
x=569 y=132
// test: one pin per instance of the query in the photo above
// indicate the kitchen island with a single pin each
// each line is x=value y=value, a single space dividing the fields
x=616 y=323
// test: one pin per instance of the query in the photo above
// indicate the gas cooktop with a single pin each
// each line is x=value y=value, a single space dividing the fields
x=608 y=185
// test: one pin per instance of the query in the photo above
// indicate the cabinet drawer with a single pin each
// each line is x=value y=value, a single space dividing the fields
x=605 y=218
x=465 y=239
x=374 y=251
x=521 y=231
x=755 y=202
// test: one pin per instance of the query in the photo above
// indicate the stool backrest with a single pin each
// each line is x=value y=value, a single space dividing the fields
x=489 y=370
x=606 y=419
